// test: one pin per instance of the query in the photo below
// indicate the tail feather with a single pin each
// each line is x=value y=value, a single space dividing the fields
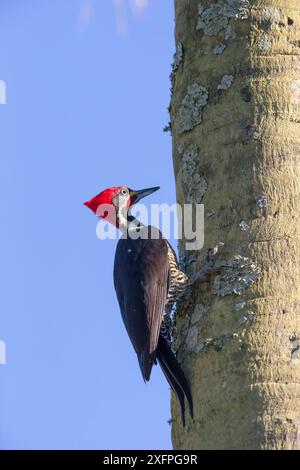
x=174 y=376
x=175 y=387
x=146 y=361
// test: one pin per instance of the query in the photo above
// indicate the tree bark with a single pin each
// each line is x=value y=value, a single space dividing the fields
x=236 y=143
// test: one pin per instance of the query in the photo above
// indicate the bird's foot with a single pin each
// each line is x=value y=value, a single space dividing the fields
x=212 y=253
x=208 y=267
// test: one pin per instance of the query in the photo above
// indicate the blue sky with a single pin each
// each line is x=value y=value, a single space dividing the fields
x=87 y=90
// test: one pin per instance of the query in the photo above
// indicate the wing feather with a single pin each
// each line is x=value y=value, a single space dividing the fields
x=141 y=275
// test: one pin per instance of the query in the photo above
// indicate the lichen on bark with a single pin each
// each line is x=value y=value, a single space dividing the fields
x=216 y=16
x=190 y=112
x=242 y=357
x=193 y=182
x=237 y=274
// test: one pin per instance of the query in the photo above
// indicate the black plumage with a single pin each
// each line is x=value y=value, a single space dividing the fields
x=142 y=279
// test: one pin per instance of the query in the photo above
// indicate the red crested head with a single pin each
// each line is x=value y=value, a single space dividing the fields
x=111 y=201
x=103 y=204
x=105 y=197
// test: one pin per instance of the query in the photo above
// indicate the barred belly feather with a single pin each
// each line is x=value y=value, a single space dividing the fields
x=178 y=279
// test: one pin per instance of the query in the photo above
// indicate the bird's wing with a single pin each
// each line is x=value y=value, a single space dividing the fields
x=141 y=276
x=155 y=272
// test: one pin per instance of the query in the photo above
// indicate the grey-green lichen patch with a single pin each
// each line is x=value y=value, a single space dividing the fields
x=237 y=274
x=192 y=343
x=262 y=205
x=194 y=184
x=178 y=56
x=190 y=111
x=247 y=318
x=243 y=225
x=295 y=348
x=217 y=342
x=261 y=202
x=270 y=16
x=240 y=305
x=247 y=314
x=210 y=214
x=216 y=17
x=177 y=60
x=229 y=33
x=199 y=312
x=226 y=82
x=219 y=48
x=264 y=43
x=185 y=326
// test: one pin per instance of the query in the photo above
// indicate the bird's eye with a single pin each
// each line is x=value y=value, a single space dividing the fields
x=124 y=192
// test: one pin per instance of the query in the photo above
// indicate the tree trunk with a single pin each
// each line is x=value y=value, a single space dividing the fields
x=236 y=143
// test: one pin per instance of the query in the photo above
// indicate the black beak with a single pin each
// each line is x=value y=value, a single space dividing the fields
x=138 y=195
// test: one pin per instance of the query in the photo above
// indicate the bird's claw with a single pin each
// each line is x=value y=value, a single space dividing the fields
x=212 y=253
x=209 y=266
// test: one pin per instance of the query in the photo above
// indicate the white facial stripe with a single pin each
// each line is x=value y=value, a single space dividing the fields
x=120 y=203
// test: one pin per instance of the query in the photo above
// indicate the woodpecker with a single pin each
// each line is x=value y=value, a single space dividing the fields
x=148 y=281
